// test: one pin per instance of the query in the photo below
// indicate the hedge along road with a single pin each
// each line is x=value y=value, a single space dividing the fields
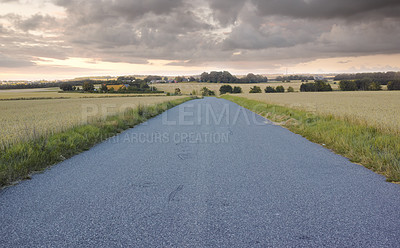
x=207 y=173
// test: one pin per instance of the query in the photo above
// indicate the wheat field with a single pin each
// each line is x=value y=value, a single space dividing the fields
x=26 y=119
x=187 y=88
x=380 y=109
x=54 y=93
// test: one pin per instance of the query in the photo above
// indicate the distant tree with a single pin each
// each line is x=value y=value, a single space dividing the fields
x=322 y=86
x=290 y=89
x=347 y=85
x=363 y=84
x=66 y=87
x=318 y=85
x=307 y=87
x=144 y=85
x=255 y=89
x=394 y=85
x=225 y=89
x=270 y=89
x=103 y=88
x=375 y=86
x=237 y=90
x=205 y=77
x=192 y=79
x=280 y=89
x=178 y=91
x=88 y=86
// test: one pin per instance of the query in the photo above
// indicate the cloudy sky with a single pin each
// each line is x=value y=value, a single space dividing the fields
x=68 y=38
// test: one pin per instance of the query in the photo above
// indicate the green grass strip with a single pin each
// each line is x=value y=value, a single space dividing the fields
x=20 y=160
x=360 y=143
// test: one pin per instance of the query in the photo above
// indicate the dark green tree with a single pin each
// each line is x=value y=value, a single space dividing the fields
x=237 y=90
x=394 y=85
x=280 y=89
x=225 y=89
x=88 y=86
x=270 y=89
x=255 y=89
x=66 y=87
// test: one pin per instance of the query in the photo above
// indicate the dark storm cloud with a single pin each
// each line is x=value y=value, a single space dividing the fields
x=323 y=8
x=226 y=12
x=200 y=31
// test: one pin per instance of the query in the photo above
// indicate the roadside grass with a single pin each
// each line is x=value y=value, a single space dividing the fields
x=19 y=160
x=362 y=144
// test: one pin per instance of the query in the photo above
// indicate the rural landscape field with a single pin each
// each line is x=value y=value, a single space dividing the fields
x=213 y=123
x=23 y=120
x=378 y=109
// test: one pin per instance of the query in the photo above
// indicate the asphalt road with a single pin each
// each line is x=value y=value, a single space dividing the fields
x=207 y=173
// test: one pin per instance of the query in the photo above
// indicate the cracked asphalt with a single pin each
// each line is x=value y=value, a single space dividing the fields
x=207 y=173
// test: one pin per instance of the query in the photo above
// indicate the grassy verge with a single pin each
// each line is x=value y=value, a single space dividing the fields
x=374 y=149
x=19 y=160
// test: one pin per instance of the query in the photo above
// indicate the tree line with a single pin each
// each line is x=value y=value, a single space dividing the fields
x=130 y=85
x=294 y=77
x=382 y=78
x=316 y=86
x=227 y=77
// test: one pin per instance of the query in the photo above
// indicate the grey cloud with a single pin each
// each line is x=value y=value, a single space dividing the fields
x=323 y=8
x=37 y=21
x=211 y=31
x=226 y=12
x=10 y=62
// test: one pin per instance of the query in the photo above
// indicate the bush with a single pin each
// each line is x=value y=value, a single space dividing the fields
x=225 y=89
x=178 y=92
x=280 y=89
x=207 y=92
x=270 y=89
x=255 y=89
x=394 y=85
x=290 y=89
x=237 y=90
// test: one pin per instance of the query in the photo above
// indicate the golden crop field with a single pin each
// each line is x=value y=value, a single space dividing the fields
x=54 y=93
x=187 y=88
x=380 y=109
x=25 y=119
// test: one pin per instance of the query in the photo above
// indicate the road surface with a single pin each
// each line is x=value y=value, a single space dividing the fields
x=207 y=173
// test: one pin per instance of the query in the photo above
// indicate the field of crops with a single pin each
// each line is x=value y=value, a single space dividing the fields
x=375 y=108
x=54 y=93
x=25 y=119
x=187 y=88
